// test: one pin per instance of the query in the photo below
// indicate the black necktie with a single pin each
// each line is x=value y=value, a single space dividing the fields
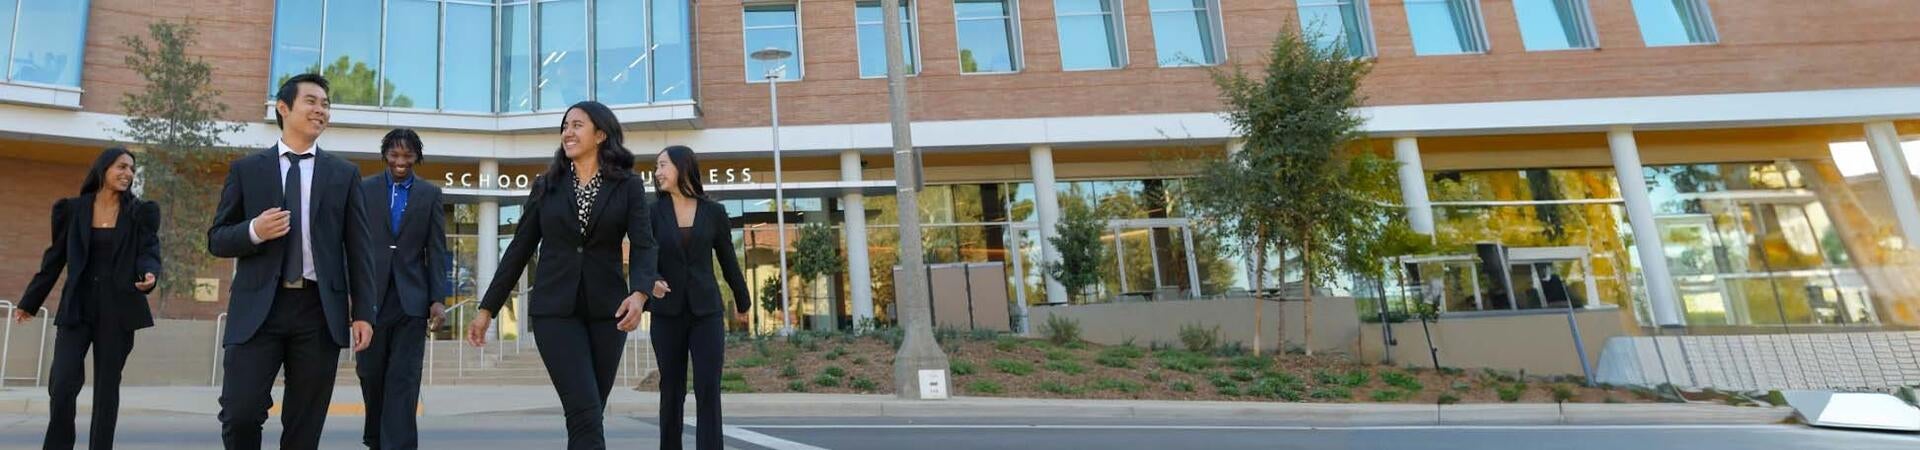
x=294 y=268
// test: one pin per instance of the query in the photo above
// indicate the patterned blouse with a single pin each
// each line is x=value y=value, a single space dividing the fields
x=583 y=199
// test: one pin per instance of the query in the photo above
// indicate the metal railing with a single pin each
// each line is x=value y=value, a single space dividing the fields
x=219 y=351
x=6 y=343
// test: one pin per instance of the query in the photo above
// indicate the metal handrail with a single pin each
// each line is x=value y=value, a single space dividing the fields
x=40 y=362
x=6 y=343
x=219 y=351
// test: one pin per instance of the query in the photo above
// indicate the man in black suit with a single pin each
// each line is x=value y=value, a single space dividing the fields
x=294 y=218
x=409 y=272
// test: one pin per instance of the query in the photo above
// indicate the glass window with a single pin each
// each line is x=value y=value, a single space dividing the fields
x=7 y=8
x=672 y=54
x=986 y=36
x=772 y=26
x=1185 y=32
x=413 y=54
x=1337 y=24
x=516 y=58
x=467 y=69
x=48 y=41
x=1089 y=35
x=296 y=40
x=1554 y=24
x=1445 y=27
x=620 y=51
x=563 y=53
x=1674 y=22
x=868 y=19
x=350 y=50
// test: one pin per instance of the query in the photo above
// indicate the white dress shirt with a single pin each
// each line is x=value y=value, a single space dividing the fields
x=306 y=200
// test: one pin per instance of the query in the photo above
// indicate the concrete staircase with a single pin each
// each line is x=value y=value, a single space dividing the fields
x=500 y=365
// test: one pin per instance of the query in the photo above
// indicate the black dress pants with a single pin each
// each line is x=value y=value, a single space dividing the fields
x=582 y=356
x=675 y=338
x=295 y=337
x=111 y=345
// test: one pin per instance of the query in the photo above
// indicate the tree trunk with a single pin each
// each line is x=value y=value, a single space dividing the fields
x=1259 y=276
x=1306 y=262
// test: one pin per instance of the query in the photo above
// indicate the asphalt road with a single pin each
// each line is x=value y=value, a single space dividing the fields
x=543 y=431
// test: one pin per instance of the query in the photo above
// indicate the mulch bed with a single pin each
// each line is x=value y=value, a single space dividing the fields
x=1006 y=366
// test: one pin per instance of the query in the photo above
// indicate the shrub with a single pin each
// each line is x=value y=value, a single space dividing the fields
x=1355 y=378
x=1389 y=395
x=1229 y=390
x=834 y=371
x=1057 y=387
x=1199 y=338
x=1275 y=388
x=789 y=371
x=1327 y=378
x=863 y=384
x=1109 y=384
x=1401 y=380
x=825 y=380
x=1058 y=355
x=836 y=353
x=1230 y=349
x=1242 y=375
x=1011 y=367
x=1510 y=392
x=1066 y=367
x=1563 y=394
x=1331 y=393
x=983 y=387
x=1061 y=330
x=1448 y=399
x=1006 y=344
x=1182 y=386
x=732 y=376
x=860 y=360
x=961 y=367
x=1110 y=360
x=1188 y=362
x=796 y=386
x=1219 y=380
x=1154 y=376
x=1254 y=363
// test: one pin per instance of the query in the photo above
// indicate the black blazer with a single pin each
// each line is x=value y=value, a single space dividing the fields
x=415 y=260
x=337 y=223
x=687 y=265
x=138 y=255
x=571 y=261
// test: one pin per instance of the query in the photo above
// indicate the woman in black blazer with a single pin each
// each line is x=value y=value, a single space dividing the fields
x=693 y=232
x=107 y=242
x=581 y=305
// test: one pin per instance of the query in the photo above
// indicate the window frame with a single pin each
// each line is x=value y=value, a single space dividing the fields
x=1587 y=29
x=912 y=44
x=1016 y=46
x=1479 y=18
x=1362 y=14
x=1216 y=24
x=1707 y=25
x=798 y=68
x=1118 y=39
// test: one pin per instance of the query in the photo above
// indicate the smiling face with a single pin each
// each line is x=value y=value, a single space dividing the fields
x=119 y=177
x=309 y=113
x=400 y=161
x=578 y=137
x=666 y=176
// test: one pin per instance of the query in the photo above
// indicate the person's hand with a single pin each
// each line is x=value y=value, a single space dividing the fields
x=21 y=316
x=660 y=289
x=272 y=224
x=629 y=312
x=477 y=329
x=146 y=283
x=741 y=316
x=362 y=332
x=436 y=315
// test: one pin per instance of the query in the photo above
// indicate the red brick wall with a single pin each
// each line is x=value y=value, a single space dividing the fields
x=235 y=38
x=26 y=201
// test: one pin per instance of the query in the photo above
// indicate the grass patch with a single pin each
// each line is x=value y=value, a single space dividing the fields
x=1109 y=384
x=863 y=384
x=860 y=361
x=1563 y=394
x=834 y=371
x=1278 y=387
x=1114 y=361
x=1401 y=380
x=960 y=367
x=750 y=362
x=824 y=380
x=1331 y=393
x=1006 y=344
x=796 y=386
x=1219 y=380
x=1181 y=386
x=1066 y=367
x=736 y=386
x=983 y=387
x=1229 y=390
x=789 y=371
x=1057 y=387
x=1448 y=399
x=1388 y=395
x=1510 y=392
x=1154 y=376
x=1011 y=367
x=836 y=353
x=1188 y=362
x=1253 y=363
x=1058 y=355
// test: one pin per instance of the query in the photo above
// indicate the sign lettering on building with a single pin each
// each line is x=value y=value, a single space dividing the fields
x=523 y=181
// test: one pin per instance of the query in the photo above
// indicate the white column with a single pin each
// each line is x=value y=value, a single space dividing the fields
x=487 y=253
x=1646 y=234
x=859 y=275
x=1047 y=203
x=1413 y=185
x=1892 y=161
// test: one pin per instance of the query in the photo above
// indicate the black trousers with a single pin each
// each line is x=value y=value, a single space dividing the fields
x=111 y=344
x=389 y=371
x=582 y=356
x=674 y=338
x=294 y=337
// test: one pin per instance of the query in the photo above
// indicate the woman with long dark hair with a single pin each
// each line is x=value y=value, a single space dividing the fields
x=106 y=240
x=693 y=233
x=581 y=305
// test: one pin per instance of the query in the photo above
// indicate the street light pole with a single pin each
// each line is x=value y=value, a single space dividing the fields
x=920 y=367
x=771 y=54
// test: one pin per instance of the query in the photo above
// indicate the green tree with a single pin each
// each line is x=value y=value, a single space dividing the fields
x=175 y=121
x=1301 y=186
x=351 y=82
x=817 y=254
x=1078 y=241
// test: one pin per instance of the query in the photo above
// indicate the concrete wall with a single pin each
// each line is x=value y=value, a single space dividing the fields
x=1845 y=360
x=1335 y=329
x=1535 y=341
x=172 y=353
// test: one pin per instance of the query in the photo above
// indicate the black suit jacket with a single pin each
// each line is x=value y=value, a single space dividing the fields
x=414 y=260
x=687 y=265
x=571 y=261
x=138 y=255
x=337 y=223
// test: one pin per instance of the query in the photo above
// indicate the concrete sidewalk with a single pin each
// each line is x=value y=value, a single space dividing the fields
x=469 y=400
